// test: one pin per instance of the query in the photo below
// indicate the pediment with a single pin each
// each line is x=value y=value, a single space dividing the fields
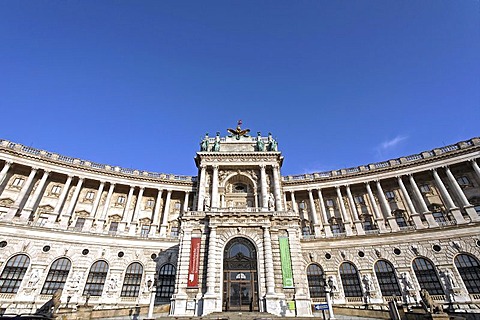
x=115 y=217
x=45 y=208
x=145 y=221
x=6 y=202
x=82 y=213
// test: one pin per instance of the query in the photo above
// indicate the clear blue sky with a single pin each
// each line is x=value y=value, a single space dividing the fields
x=338 y=83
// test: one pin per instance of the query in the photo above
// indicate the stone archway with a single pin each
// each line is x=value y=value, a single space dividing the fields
x=240 y=276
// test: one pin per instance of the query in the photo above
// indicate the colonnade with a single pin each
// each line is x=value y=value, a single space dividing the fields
x=379 y=208
x=28 y=199
x=216 y=200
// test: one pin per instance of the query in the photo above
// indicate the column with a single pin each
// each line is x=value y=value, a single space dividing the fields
x=185 y=202
x=201 y=188
x=358 y=223
x=346 y=220
x=4 y=171
x=61 y=198
x=156 y=212
x=413 y=213
x=376 y=211
x=64 y=221
x=386 y=208
x=16 y=205
x=276 y=187
x=469 y=209
x=166 y=212
x=127 y=216
x=426 y=213
x=326 y=224
x=448 y=199
x=136 y=212
x=96 y=202
x=103 y=217
x=263 y=186
x=215 y=187
x=294 y=202
x=269 y=271
x=212 y=263
x=316 y=225
x=31 y=202
x=475 y=166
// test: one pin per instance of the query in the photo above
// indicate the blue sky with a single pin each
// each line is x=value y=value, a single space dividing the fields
x=338 y=83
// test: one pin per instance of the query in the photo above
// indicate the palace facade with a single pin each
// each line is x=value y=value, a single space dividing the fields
x=239 y=236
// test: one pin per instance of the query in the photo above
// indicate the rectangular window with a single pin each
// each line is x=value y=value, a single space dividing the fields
x=41 y=221
x=90 y=195
x=329 y=202
x=359 y=200
x=113 y=227
x=425 y=188
x=145 y=231
x=401 y=221
x=174 y=232
x=56 y=189
x=390 y=195
x=121 y=200
x=18 y=182
x=439 y=217
x=79 y=224
x=463 y=181
x=177 y=205
x=150 y=203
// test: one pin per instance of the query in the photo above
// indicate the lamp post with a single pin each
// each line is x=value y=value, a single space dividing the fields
x=152 y=286
x=328 y=292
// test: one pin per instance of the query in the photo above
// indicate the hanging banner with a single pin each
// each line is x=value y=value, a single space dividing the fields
x=287 y=274
x=194 y=266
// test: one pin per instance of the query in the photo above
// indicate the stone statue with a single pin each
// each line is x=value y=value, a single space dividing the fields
x=216 y=144
x=260 y=143
x=427 y=302
x=204 y=143
x=272 y=143
x=51 y=306
x=271 y=201
x=206 y=202
x=407 y=283
x=449 y=279
x=34 y=278
x=367 y=282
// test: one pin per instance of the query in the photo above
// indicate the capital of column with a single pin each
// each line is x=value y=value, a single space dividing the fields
x=215 y=166
x=141 y=188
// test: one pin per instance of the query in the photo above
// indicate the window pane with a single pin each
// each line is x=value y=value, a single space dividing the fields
x=350 y=280
x=96 y=278
x=427 y=276
x=166 y=282
x=133 y=280
x=13 y=273
x=57 y=276
x=387 y=279
x=316 y=281
x=469 y=270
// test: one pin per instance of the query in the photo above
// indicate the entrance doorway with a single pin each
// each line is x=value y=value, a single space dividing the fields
x=240 y=276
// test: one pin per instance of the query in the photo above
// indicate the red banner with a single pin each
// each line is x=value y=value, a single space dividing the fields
x=194 y=266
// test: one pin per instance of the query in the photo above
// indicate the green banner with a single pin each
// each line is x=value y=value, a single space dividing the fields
x=287 y=274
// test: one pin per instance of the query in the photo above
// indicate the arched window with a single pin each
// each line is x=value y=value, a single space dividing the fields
x=57 y=276
x=350 y=281
x=166 y=282
x=96 y=279
x=469 y=270
x=427 y=276
x=13 y=273
x=316 y=281
x=387 y=279
x=132 y=281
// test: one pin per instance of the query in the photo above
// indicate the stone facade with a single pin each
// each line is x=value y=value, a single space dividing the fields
x=239 y=236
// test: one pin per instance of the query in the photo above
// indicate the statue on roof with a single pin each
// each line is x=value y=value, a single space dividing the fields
x=216 y=144
x=260 y=143
x=204 y=143
x=272 y=143
x=238 y=132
